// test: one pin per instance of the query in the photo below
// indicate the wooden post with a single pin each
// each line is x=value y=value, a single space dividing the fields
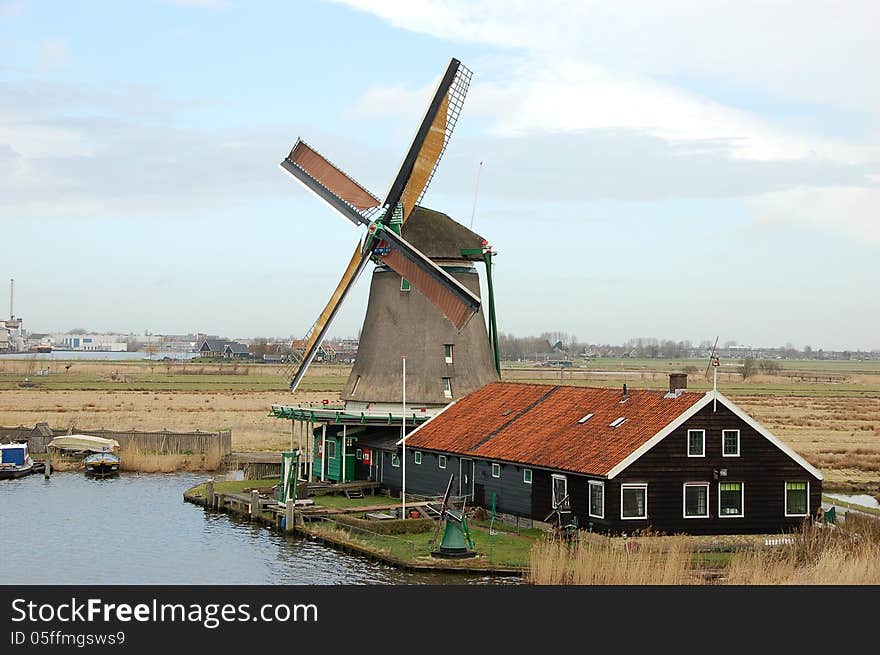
x=255 y=504
x=289 y=520
x=47 y=471
x=209 y=493
x=323 y=451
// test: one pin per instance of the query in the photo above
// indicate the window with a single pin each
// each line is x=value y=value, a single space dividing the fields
x=447 y=388
x=597 y=499
x=441 y=461
x=395 y=459
x=359 y=454
x=617 y=422
x=527 y=476
x=696 y=500
x=696 y=443
x=797 y=498
x=496 y=470
x=404 y=284
x=560 y=490
x=417 y=457
x=633 y=501
x=585 y=418
x=730 y=443
x=447 y=352
x=730 y=499
x=331 y=449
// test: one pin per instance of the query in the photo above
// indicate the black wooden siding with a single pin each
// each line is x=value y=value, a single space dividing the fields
x=761 y=467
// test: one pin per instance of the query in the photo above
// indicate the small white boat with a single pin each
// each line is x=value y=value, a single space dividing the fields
x=15 y=462
x=99 y=454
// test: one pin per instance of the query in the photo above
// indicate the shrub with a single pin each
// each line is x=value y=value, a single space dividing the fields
x=389 y=526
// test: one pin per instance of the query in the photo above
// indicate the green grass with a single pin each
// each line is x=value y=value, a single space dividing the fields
x=842 y=503
x=173 y=382
x=503 y=549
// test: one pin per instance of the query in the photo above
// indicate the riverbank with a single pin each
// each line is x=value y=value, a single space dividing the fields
x=328 y=521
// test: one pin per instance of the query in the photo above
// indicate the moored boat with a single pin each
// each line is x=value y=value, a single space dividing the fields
x=15 y=462
x=101 y=464
x=98 y=454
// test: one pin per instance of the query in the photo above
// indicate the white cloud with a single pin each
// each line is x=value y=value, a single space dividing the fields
x=655 y=70
x=850 y=210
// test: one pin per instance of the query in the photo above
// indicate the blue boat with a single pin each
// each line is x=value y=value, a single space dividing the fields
x=15 y=462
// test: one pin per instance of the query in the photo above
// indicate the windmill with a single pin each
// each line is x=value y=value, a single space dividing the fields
x=563 y=520
x=714 y=363
x=413 y=248
x=457 y=541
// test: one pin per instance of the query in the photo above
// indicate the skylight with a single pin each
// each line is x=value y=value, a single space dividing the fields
x=616 y=423
x=585 y=418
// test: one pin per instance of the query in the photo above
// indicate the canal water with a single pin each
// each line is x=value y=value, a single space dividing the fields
x=136 y=529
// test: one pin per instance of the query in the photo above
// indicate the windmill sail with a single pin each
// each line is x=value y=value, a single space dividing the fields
x=450 y=296
x=324 y=179
x=359 y=260
x=431 y=139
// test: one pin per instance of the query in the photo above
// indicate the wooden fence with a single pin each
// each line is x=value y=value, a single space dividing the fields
x=213 y=445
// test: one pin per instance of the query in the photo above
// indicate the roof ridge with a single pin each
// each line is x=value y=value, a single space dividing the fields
x=518 y=416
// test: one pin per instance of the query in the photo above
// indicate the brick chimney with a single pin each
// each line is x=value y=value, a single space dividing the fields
x=677 y=381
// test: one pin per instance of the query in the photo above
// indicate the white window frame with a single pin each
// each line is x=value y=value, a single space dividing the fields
x=684 y=513
x=496 y=467
x=327 y=445
x=724 y=454
x=634 y=485
x=447 y=387
x=553 y=478
x=785 y=500
x=441 y=461
x=598 y=484
x=451 y=354
x=405 y=284
x=529 y=471
x=395 y=458
x=417 y=456
x=688 y=445
x=742 y=501
x=359 y=454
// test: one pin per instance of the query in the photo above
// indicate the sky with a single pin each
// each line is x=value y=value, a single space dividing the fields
x=677 y=170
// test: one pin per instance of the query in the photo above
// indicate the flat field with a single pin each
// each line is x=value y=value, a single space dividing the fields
x=827 y=411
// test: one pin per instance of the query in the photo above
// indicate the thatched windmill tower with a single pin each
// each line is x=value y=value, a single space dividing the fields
x=424 y=298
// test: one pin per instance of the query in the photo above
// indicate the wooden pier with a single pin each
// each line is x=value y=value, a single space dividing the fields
x=257 y=505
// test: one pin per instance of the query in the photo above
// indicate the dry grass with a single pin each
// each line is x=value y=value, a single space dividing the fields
x=840 y=436
x=133 y=458
x=817 y=555
x=603 y=562
x=245 y=413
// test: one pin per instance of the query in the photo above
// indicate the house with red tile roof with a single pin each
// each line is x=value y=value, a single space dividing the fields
x=611 y=460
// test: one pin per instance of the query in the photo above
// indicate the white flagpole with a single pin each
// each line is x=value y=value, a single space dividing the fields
x=403 y=442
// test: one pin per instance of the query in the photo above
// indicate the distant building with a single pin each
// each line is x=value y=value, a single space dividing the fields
x=91 y=342
x=223 y=349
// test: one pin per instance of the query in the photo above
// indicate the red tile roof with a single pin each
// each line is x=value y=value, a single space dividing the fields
x=537 y=424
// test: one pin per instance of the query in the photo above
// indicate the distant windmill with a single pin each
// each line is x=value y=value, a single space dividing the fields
x=412 y=247
x=714 y=363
